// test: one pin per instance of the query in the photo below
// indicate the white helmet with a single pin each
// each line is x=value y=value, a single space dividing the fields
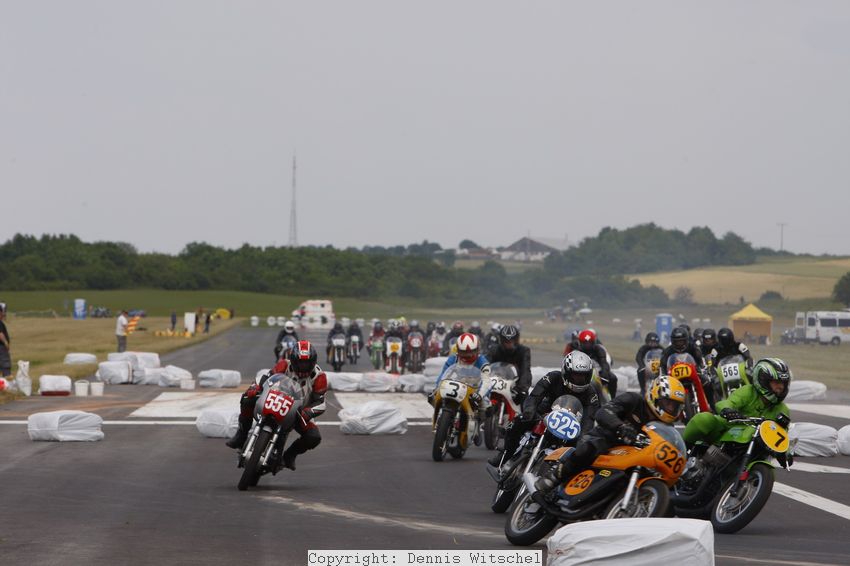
x=577 y=371
x=467 y=348
x=289 y=326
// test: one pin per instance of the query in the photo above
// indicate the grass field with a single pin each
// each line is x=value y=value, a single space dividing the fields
x=794 y=278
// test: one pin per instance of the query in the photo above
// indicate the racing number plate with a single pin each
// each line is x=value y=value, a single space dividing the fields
x=499 y=384
x=580 y=482
x=681 y=371
x=655 y=366
x=774 y=436
x=277 y=404
x=670 y=458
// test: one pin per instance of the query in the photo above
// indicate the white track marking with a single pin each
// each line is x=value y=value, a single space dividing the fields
x=404 y=523
x=772 y=561
x=813 y=500
x=818 y=468
x=840 y=411
x=411 y=405
x=179 y=404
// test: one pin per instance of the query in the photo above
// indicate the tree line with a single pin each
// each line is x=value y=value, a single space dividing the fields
x=423 y=272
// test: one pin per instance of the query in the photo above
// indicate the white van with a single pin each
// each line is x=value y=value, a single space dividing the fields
x=825 y=327
x=315 y=312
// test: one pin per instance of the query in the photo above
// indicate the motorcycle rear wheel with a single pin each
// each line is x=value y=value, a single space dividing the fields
x=251 y=473
x=525 y=528
x=653 y=499
x=441 y=436
x=730 y=515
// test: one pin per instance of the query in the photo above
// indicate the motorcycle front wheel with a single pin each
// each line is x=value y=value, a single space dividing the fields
x=731 y=514
x=251 y=473
x=441 y=436
x=652 y=500
x=528 y=522
x=491 y=429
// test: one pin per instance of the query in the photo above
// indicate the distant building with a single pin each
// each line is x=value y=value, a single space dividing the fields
x=532 y=249
x=476 y=253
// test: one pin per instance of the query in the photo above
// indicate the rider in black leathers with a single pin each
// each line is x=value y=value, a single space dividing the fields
x=510 y=351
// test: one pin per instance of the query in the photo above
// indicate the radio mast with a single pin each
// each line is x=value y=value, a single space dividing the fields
x=293 y=223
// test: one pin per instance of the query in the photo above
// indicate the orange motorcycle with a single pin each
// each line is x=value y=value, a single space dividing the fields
x=626 y=481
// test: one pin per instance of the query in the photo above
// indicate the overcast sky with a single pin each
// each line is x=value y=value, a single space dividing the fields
x=162 y=123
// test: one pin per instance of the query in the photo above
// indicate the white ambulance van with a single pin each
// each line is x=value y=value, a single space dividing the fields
x=825 y=327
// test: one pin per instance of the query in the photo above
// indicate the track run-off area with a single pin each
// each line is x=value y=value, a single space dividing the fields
x=155 y=491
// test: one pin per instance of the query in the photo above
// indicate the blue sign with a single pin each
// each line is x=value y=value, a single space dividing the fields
x=663 y=327
x=79 y=309
x=563 y=425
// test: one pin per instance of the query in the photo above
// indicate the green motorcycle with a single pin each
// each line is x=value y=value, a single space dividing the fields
x=376 y=354
x=731 y=374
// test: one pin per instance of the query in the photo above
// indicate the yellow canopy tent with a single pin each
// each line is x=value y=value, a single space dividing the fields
x=753 y=321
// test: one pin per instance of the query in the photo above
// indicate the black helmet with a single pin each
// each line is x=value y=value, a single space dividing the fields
x=338 y=327
x=697 y=334
x=679 y=338
x=726 y=337
x=651 y=339
x=687 y=328
x=709 y=337
x=378 y=326
x=770 y=370
x=509 y=334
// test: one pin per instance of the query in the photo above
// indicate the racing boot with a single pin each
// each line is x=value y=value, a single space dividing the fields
x=289 y=458
x=241 y=433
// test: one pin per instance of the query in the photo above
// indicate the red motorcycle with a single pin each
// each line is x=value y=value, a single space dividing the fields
x=415 y=352
x=684 y=368
x=435 y=344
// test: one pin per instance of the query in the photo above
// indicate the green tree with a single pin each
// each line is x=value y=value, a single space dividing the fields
x=468 y=245
x=841 y=291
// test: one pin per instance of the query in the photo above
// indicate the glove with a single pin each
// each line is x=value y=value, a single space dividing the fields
x=476 y=399
x=518 y=394
x=431 y=397
x=785 y=460
x=783 y=420
x=627 y=433
x=731 y=414
x=253 y=391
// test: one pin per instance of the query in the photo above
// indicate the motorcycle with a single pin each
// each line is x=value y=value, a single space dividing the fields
x=683 y=367
x=448 y=348
x=376 y=352
x=502 y=408
x=730 y=481
x=353 y=349
x=560 y=427
x=287 y=344
x=627 y=481
x=652 y=363
x=276 y=413
x=338 y=351
x=456 y=403
x=394 y=350
x=416 y=352
x=731 y=374
x=435 y=345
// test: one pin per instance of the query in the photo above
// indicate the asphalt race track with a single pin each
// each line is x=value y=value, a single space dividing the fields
x=163 y=494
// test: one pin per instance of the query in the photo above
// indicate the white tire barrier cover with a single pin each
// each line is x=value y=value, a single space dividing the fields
x=805 y=391
x=844 y=440
x=411 y=382
x=218 y=423
x=378 y=382
x=372 y=417
x=814 y=439
x=115 y=372
x=626 y=378
x=65 y=426
x=430 y=383
x=636 y=542
x=344 y=381
x=149 y=376
x=54 y=384
x=433 y=366
x=171 y=376
x=219 y=378
x=130 y=357
x=79 y=358
x=147 y=359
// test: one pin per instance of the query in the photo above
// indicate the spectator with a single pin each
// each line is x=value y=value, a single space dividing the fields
x=121 y=331
x=207 y=323
x=5 y=356
x=173 y=320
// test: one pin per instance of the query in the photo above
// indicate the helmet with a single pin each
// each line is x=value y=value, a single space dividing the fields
x=665 y=397
x=414 y=324
x=687 y=328
x=393 y=324
x=302 y=359
x=577 y=370
x=697 y=334
x=441 y=326
x=495 y=327
x=378 y=326
x=586 y=340
x=457 y=326
x=679 y=338
x=768 y=371
x=651 y=339
x=709 y=337
x=467 y=348
x=475 y=324
x=354 y=324
x=338 y=327
x=289 y=326
x=509 y=334
x=726 y=337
